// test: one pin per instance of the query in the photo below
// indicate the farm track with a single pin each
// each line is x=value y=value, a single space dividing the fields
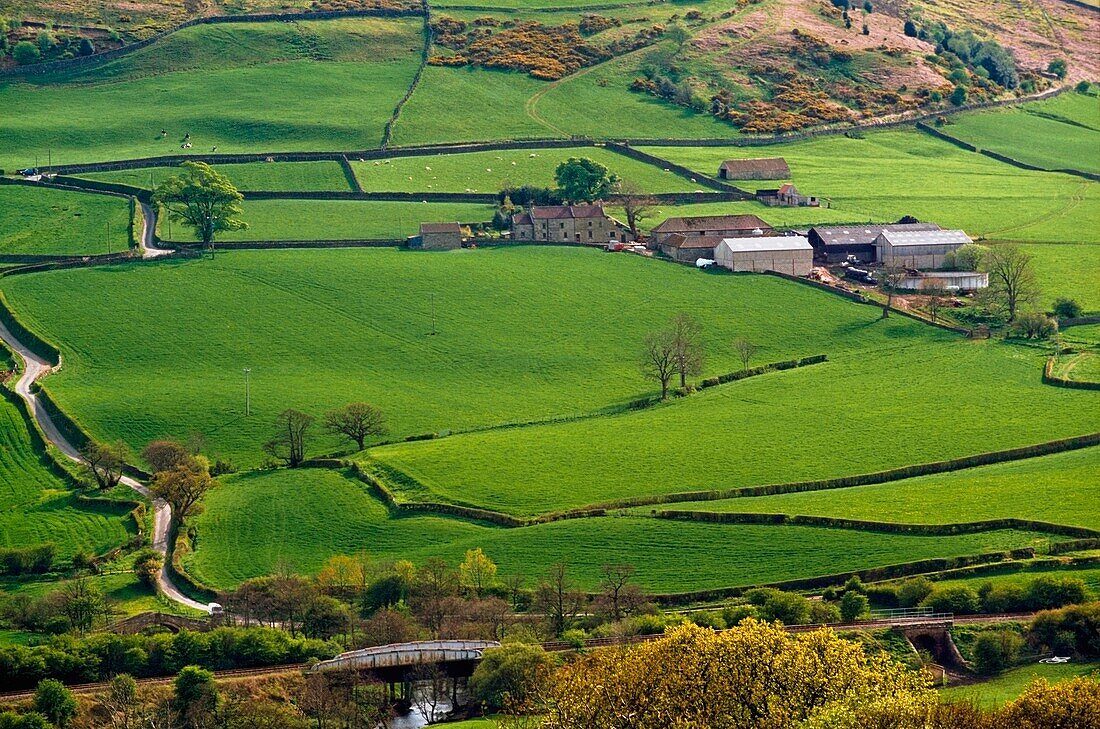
x=554 y=647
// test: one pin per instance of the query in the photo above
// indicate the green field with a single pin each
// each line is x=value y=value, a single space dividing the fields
x=890 y=174
x=492 y=171
x=1089 y=574
x=335 y=220
x=1069 y=270
x=258 y=520
x=252 y=87
x=37 y=506
x=295 y=176
x=524 y=333
x=1060 y=488
x=777 y=217
x=1071 y=119
x=769 y=429
x=61 y=223
x=1010 y=684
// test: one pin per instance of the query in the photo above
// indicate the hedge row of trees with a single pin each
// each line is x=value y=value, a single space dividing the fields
x=1041 y=593
x=31 y=560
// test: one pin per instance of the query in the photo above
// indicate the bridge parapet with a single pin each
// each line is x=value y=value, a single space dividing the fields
x=403 y=655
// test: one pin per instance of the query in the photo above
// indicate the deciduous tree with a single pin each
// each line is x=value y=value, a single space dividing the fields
x=890 y=278
x=356 y=421
x=477 y=572
x=580 y=179
x=658 y=361
x=558 y=598
x=1011 y=278
x=688 y=350
x=637 y=206
x=183 y=488
x=55 y=702
x=164 y=455
x=104 y=462
x=289 y=443
x=746 y=350
x=202 y=198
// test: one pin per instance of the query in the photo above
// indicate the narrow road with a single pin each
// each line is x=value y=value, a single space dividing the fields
x=35 y=367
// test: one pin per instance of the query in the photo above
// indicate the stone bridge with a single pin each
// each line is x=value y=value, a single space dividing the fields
x=172 y=623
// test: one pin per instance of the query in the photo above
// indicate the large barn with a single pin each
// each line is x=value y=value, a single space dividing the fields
x=790 y=254
x=834 y=243
x=917 y=248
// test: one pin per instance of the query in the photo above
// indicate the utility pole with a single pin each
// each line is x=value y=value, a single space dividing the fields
x=247 y=393
x=433 y=313
x=108 y=237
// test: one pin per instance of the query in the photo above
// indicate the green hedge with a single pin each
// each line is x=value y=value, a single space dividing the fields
x=68 y=427
x=27 y=336
x=762 y=369
x=1051 y=379
x=179 y=545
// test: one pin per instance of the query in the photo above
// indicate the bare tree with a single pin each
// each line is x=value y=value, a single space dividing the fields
x=104 y=462
x=164 y=455
x=514 y=584
x=687 y=346
x=614 y=579
x=659 y=358
x=637 y=206
x=745 y=351
x=891 y=277
x=356 y=421
x=558 y=598
x=431 y=692
x=937 y=296
x=1011 y=278
x=289 y=443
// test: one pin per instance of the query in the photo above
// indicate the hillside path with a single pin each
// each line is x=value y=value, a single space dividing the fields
x=35 y=367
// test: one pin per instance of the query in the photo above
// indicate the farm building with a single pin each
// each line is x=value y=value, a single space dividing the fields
x=688 y=249
x=834 y=243
x=587 y=224
x=790 y=254
x=718 y=226
x=945 y=280
x=437 y=237
x=768 y=168
x=917 y=248
x=786 y=196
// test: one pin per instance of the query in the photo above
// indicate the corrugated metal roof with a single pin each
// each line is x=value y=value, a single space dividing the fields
x=907 y=239
x=842 y=235
x=767 y=243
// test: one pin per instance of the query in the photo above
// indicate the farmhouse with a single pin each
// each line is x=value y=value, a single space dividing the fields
x=437 y=237
x=769 y=168
x=587 y=224
x=719 y=226
x=688 y=249
x=945 y=280
x=917 y=248
x=790 y=254
x=786 y=196
x=834 y=243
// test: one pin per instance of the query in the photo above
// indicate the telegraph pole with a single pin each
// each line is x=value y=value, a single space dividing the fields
x=433 y=313
x=108 y=237
x=247 y=393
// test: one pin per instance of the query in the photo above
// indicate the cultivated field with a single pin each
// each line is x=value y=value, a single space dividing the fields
x=61 y=223
x=523 y=334
x=256 y=521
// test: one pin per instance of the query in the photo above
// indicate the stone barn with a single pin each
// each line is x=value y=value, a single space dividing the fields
x=437 y=237
x=790 y=254
x=767 y=168
x=917 y=249
x=716 y=226
x=688 y=249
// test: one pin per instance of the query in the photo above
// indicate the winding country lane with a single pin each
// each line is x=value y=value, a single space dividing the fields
x=35 y=367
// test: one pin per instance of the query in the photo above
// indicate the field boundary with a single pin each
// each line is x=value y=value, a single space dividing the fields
x=1001 y=157
x=425 y=54
x=1051 y=379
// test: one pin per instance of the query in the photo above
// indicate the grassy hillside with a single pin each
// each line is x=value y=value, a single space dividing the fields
x=240 y=87
x=36 y=506
x=257 y=520
x=311 y=176
x=1073 y=120
x=1007 y=686
x=336 y=220
x=61 y=223
x=906 y=398
x=1059 y=488
x=523 y=333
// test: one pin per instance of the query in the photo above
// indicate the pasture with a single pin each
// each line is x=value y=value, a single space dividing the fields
x=492 y=171
x=956 y=398
x=337 y=84
x=255 y=521
x=36 y=506
x=1010 y=684
x=61 y=223
x=334 y=220
x=1067 y=269
x=524 y=333
x=1059 y=488
x=295 y=176
x=1072 y=119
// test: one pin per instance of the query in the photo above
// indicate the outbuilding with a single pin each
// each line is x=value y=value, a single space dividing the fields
x=714 y=226
x=917 y=249
x=437 y=237
x=688 y=249
x=790 y=254
x=835 y=243
x=765 y=168
x=945 y=281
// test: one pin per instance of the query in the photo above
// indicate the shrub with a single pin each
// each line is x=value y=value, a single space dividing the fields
x=27 y=560
x=913 y=591
x=25 y=52
x=996 y=650
x=824 y=613
x=910 y=29
x=1050 y=628
x=734 y=614
x=1032 y=325
x=510 y=674
x=960 y=600
x=1067 y=704
x=1082 y=87
x=55 y=702
x=1003 y=598
x=1046 y=593
x=147 y=567
x=853 y=606
x=1067 y=308
x=1058 y=68
x=958 y=96
x=786 y=607
x=87 y=48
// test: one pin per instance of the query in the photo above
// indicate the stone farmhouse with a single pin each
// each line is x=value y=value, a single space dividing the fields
x=790 y=254
x=834 y=243
x=769 y=168
x=718 y=226
x=585 y=224
x=786 y=196
x=917 y=248
x=437 y=237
